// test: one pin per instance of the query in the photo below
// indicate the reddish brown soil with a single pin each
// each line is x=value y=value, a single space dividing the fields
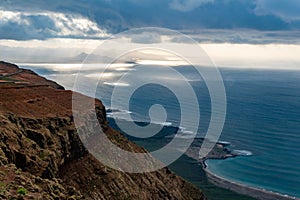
x=40 y=146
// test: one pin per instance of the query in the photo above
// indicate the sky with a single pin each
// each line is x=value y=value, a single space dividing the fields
x=31 y=28
x=39 y=19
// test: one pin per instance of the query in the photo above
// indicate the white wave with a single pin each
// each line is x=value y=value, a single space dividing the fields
x=184 y=131
x=164 y=123
x=119 y=114
x=188 y=132
x=117 y=111
x=242 y=152
x=224 y=143
x=182 y=128
x=181 y=136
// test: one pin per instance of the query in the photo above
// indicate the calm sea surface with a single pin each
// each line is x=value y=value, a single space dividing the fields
x=263 y=117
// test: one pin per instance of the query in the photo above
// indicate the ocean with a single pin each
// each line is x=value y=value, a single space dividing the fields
x=262 y=119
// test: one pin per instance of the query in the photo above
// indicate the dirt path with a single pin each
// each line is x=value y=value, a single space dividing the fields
x=11 y=74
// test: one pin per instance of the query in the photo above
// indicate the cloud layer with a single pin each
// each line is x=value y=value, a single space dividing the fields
x=288 y=10
x=35 y=19
x=187 y=5
x=24 y=26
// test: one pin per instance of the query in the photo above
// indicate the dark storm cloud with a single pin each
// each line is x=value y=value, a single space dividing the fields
x=119 y=15
x=288 y=10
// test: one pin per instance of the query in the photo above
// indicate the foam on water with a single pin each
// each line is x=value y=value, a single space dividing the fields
x=242 y=152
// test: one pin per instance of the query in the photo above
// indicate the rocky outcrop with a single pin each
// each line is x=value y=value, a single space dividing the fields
x=42 y=157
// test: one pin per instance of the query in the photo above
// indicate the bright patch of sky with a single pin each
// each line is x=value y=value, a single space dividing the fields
x=235 y=33
x=41 y=25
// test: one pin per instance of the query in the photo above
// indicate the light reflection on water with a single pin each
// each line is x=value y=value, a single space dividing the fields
x=263 y=117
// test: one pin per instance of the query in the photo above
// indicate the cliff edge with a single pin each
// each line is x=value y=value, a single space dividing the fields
x=42 y=157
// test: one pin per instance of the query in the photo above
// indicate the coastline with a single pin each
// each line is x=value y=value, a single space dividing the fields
x=244 y=189
x=220 y=152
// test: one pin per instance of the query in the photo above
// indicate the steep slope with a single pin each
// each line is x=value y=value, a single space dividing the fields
x=42 y=157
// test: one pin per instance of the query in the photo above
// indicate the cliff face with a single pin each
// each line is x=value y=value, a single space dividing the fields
x=42 y=157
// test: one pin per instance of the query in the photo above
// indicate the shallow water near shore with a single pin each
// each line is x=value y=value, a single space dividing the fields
x=263 y=117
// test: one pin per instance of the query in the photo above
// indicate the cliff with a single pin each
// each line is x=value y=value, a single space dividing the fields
x=42 y=157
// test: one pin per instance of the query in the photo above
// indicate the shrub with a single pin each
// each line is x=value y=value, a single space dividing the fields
x=22 y=191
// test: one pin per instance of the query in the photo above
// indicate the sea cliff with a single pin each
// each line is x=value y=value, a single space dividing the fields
x=42 y=156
